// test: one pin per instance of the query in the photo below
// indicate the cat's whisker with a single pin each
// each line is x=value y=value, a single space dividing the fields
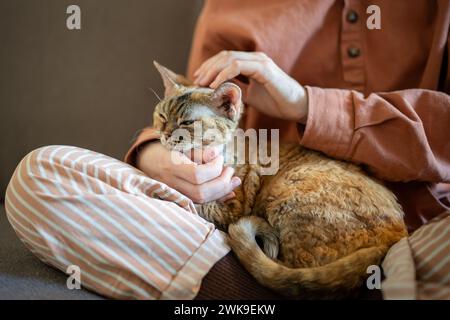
x=154 y=92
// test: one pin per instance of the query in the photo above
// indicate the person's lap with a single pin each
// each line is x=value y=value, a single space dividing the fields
x=134 y=237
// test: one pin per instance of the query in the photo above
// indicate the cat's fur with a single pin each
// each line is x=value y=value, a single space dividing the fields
x=321 y=222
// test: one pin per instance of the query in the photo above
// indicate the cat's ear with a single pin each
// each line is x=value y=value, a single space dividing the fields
x=227 y=100
x=173 y=83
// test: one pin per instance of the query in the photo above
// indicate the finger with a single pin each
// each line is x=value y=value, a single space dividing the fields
x=253 y=69
x=212 y=71
x=226 y=74
x=200 y=173
x=228 y=189
x=213 y=66
x=208 y=64
x=244 y=55
x=219 y=187
x=229 y=196
x=205 y=64
x=183 y=186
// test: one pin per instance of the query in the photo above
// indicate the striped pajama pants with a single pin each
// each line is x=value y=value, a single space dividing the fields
x=131 y=237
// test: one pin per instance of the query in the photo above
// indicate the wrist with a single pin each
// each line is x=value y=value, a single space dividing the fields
x=297 y=101
x=298 y=106
x=303 y=106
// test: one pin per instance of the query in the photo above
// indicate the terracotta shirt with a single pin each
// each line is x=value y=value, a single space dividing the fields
x=379 y=98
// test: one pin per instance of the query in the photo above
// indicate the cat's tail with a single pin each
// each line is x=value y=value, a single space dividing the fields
x=331 y=280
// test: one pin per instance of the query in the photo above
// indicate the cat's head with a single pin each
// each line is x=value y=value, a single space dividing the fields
x=190 y=108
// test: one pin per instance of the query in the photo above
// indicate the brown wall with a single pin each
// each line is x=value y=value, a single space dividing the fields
x=85 y=87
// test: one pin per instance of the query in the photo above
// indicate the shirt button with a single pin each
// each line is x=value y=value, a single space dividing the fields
x=352 y=16
x=353 y=52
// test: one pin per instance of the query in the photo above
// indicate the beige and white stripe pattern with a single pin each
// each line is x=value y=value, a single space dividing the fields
x=132 y=237
x=418 y=267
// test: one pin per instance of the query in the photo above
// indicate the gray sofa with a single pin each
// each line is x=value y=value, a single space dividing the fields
x=23 y=276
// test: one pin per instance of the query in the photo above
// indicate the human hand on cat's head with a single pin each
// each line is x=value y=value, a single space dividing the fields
x=201 y=182
x=271 y=90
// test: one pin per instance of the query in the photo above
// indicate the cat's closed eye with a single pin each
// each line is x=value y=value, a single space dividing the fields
x=186 y=122
x=162 y=117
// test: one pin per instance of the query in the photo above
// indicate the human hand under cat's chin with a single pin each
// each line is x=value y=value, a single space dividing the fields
x=272 y=91
x=201 y=182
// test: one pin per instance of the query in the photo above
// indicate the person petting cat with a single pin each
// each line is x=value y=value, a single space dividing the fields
x=363 y=116
x=320 y=235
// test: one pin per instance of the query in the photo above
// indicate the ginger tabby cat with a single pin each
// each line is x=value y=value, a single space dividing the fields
x=321 y=222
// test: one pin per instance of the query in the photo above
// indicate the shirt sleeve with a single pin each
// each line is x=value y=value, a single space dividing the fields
x=146 y=135
x=400 y=136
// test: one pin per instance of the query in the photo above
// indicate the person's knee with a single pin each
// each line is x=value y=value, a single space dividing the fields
x=34 y=165
x=21 y=188
x=25 y=166
x=50 y=156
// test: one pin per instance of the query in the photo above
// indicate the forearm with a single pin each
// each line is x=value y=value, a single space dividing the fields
x=400 y=136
